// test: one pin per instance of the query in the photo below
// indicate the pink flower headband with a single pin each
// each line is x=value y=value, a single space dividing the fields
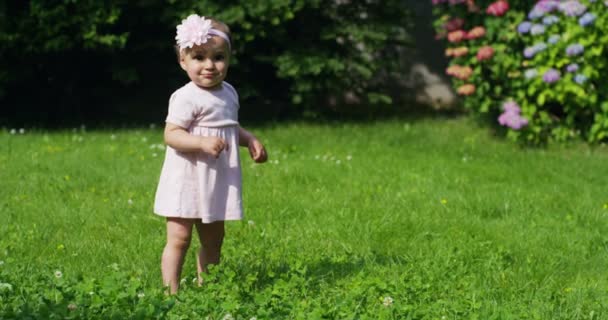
x=195 y=30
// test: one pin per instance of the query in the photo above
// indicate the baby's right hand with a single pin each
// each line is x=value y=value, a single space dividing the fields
x=213 y=145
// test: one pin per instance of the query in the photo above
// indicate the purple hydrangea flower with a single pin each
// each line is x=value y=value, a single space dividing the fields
x=546 y=6
x=511 y=106
x=587 y=19
x=551 y=76
x=573 y=67
x=540 y=46
x=511 y=116
x=580 y=78
x=575 y=49
x=572 y=8
x=524 y=27
x=530 y=73
x=529 y=52
x=549 y=20
x=554 y=38
x=535 y=14
x=537 y=29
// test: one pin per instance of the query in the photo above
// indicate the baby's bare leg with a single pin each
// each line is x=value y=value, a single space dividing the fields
x=211 y=236
x=179 y=233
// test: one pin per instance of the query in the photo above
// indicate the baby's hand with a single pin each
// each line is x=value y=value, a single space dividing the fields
x=213 y=145
x=257 y=151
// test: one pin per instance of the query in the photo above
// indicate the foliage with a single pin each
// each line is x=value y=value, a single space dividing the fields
x=531 y=70
x=450 y=223
x=298 y=52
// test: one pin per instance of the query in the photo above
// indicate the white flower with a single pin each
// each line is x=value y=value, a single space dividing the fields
x=58 y=274
x=91 y=293
x=72 y=306
x=21 y=131
x=194 y=30
x=253 y=318
x=349 y=157
x=183 y=281
x=152 y=125
x=141 y=295
x=13 y=131
x=1 y=262
x=228 y=316
x=251 y=223
x=387 y=301
x=113 y=137
x=130 y=202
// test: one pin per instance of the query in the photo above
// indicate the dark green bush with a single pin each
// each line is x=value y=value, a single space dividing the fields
x=302 y=53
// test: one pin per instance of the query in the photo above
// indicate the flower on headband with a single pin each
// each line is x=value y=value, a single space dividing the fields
x=193 y=31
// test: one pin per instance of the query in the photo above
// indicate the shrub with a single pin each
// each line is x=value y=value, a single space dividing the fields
x=533 y=69
x=286 y=52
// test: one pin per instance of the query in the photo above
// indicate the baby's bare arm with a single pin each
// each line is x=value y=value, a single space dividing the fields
x=179 y=139
x=256 y=148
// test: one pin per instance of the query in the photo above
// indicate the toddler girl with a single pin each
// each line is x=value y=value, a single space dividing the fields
x=200 y=182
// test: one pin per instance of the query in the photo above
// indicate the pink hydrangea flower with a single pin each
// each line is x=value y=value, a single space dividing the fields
x=466 y=89
x=456 y=36
x=454 y=24
x=476 y=33
x=498 y=8
x=485 y=53
x=194 y=30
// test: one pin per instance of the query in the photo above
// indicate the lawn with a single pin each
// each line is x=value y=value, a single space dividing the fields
x=425 y=219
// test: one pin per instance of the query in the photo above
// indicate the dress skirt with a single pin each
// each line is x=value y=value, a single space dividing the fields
x=196 y=185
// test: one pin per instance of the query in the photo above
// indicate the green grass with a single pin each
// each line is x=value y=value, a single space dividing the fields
x=447 y=220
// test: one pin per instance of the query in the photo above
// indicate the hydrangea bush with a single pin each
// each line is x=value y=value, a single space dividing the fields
x=533 y=69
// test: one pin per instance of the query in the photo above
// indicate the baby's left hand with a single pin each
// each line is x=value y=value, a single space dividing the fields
x=257 y=151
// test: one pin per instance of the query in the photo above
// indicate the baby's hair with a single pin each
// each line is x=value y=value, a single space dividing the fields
x=216 y=24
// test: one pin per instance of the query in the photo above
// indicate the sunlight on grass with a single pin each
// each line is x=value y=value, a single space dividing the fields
x=428 y=219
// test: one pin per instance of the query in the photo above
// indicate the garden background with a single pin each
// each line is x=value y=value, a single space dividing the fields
x=385 y=196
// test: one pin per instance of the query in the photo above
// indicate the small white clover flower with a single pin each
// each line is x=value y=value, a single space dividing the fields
x=228 y=316
x=183 y=281
x=113 y=137
x=253 y=318
x=72 y=306
x=91 y=293
x=130 y=202
x=349 y=157
x=1 y=262
x=251 y=223
x=13 y=131
x=21 y=131
x=387 y=301
x=141 y=295
x=58 y=274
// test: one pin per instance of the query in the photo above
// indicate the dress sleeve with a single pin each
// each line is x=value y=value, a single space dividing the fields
x=181 y=110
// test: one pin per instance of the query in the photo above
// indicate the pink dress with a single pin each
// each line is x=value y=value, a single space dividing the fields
x=193 y=184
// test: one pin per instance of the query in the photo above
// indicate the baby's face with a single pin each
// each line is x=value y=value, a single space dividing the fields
x=207 y=64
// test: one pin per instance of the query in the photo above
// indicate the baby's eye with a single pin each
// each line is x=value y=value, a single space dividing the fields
x=219 y=57
x=198 y=57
